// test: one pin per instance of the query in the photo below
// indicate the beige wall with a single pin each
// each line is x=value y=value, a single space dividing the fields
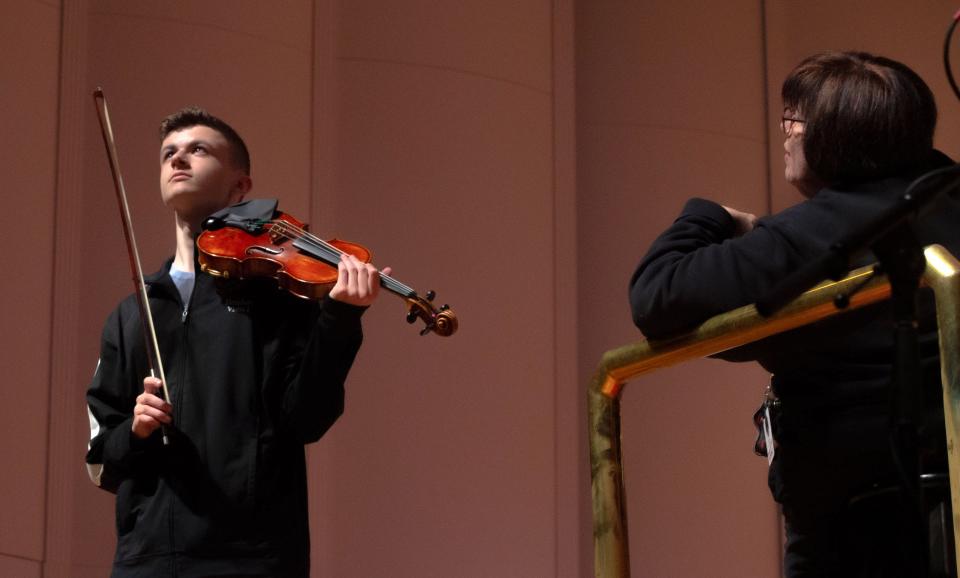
x=445 y=462
x=517 y=157
x=29 y=151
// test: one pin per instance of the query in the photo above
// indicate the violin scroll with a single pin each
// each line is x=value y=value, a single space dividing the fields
x=442 y=321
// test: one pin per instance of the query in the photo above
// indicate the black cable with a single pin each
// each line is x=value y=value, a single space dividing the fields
x=946 y=54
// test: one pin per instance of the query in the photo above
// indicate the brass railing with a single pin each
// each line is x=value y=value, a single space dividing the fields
x=733 y=329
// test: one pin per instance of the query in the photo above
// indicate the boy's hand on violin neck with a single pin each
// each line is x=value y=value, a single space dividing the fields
x=358 y=283
x=151 y=411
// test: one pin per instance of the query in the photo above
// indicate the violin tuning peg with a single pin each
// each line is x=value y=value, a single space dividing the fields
x=431 y=294
x=411 y=317
x=444 y=307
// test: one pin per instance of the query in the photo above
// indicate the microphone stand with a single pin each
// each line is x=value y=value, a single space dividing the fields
x=902 y=258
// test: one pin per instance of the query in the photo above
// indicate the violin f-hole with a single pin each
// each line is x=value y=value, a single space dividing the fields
x=260 y=248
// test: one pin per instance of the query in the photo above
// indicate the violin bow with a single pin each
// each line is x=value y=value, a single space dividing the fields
x=146 y=317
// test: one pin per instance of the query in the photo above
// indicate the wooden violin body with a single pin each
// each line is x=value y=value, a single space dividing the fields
x=232 y=253
x=301 y=263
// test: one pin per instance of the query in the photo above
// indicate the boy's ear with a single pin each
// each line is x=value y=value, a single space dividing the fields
x=240 y=189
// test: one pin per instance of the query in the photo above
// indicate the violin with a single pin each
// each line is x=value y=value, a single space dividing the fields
x=254 y=240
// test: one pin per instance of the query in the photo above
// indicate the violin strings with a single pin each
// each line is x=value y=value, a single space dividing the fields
x=332 y=253
x=300 y=233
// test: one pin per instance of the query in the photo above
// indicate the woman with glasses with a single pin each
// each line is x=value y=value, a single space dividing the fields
x=857 y=130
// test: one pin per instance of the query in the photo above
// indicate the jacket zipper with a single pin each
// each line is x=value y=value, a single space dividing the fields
x=184 y=317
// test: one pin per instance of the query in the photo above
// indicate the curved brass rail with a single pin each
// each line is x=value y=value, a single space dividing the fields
x=733 y=329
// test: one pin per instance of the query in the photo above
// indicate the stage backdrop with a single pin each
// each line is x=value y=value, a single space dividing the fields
x=515 y=156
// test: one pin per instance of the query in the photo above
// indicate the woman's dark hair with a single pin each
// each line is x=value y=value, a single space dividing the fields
x=195 y=116
x=866 y=117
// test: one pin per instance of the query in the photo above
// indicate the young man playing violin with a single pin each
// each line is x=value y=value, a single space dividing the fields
x=254 y=373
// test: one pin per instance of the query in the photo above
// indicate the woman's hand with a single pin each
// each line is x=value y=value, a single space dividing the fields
x=745 y=221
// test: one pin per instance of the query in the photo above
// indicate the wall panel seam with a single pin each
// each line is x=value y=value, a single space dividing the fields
x=65 y=303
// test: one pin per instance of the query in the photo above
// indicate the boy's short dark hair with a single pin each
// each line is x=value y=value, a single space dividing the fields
x=196 y=116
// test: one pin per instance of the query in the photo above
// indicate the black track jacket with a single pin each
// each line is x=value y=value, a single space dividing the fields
x=254 y=373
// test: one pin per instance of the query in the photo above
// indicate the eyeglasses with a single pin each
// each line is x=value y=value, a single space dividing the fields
x=788 y=124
